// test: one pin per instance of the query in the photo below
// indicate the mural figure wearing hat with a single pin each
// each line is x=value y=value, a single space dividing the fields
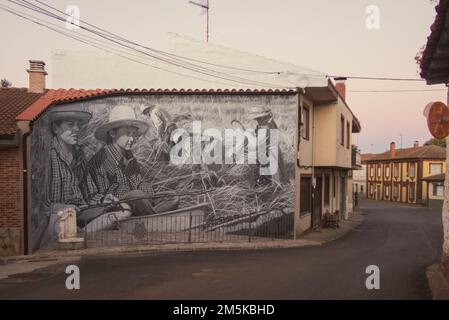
x=70 y=182
x=262 y=114
x=164 y=125
x=114 y=168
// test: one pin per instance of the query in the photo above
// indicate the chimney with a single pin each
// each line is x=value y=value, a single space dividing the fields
x=392 y=150
x=340 y=85
x=416 y=144
x=36 y=74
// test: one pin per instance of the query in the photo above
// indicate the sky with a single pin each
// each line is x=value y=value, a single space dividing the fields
x=325 y=35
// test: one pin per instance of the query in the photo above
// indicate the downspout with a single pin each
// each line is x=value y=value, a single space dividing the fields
x=26 y=226
x=25 y=129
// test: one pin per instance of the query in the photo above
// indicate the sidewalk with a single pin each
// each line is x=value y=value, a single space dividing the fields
x=29 y=263
x=325 y=235
x=438 y=283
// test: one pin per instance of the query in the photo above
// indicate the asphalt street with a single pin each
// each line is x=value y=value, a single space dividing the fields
x=402 y=241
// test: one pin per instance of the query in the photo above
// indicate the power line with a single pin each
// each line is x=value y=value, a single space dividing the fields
x=181 y=64
x=15 y=12
x=180 y=61
x=393 y=91
x=108 y=35
x=377 y=78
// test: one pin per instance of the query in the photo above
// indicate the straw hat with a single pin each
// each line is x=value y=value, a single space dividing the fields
x=70 y=114
x=258 y=111
x=120 y=116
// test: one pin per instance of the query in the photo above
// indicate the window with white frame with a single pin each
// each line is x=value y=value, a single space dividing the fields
x=411 y=170
x=371 y=171
x=435 y=168
x=379 y=170
x=396 y=170
x=411 y=192
x=387 y=171
x=438 y=189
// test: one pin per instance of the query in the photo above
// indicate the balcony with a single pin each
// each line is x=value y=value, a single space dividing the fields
x=356 y=158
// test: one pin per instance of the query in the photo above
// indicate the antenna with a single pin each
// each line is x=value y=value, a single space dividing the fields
x=401 y=139
x=205 y=6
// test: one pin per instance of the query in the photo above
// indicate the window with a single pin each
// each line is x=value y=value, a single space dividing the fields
x=396 y=191
x=306 y=195
x=342 y=128
x=411 y=192
x=396 y=170
x=371 y=171
x=387 y=171
x=305 y=122
x=348 y=134
x=327 y=186
x=371 y=189
x=387 y=191
x=411 y=170
x=361 y=188
x=438 y=190
x=435 y=168
x=379 y=174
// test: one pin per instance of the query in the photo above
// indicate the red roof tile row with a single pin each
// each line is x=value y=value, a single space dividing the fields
x=62 y=95
x=18 y=104
x=424 y=152
x=12 y=102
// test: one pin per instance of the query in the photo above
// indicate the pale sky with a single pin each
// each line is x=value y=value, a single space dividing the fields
x=328 y=36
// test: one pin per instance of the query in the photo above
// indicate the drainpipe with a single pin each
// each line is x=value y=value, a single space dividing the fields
x=25 y=130
x=26 y=226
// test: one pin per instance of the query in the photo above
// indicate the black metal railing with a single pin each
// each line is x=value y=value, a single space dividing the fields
x=112 y=229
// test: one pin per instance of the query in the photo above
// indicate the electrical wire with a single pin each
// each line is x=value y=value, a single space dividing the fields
x=188 y=66
x=101 y=47
x=182 y=61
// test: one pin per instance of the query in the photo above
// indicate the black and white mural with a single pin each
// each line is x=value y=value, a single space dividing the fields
x=144 y=155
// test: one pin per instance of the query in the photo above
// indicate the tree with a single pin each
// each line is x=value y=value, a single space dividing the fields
x=436 y=142
x=5 y=83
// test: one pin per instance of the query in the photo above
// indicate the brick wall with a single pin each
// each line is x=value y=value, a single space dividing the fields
x=10 y=207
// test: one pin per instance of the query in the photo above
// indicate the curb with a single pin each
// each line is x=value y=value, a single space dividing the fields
x=437 y=283
x=302 y=241
x=219 y=246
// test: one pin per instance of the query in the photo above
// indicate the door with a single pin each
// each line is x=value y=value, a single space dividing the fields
x=317 y=197
x=343 y=197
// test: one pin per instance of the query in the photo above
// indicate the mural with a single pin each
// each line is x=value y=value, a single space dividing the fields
x=140 y=156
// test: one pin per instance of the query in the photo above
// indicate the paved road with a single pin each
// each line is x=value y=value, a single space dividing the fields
x=401 y=240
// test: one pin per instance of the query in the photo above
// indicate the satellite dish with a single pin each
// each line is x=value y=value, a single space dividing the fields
x=437 y=114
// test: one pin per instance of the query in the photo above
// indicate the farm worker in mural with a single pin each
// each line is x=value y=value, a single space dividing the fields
x=262 y=114
x=164 y=126
x=116 y=171
x=70 y=182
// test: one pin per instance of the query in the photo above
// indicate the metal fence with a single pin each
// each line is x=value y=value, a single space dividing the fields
x=192 y=227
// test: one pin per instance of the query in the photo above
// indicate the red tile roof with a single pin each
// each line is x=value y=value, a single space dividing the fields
x=437 y=30
x=63 y=95
x=366 y=156
x=424 y=152
x=13 y=101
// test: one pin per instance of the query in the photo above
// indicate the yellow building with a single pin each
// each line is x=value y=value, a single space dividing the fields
x=397 y=175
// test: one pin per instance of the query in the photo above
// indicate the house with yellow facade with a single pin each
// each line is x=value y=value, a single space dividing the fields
x=399 y=175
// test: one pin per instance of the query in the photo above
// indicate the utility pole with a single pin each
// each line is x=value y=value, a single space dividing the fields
x=206 y=8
